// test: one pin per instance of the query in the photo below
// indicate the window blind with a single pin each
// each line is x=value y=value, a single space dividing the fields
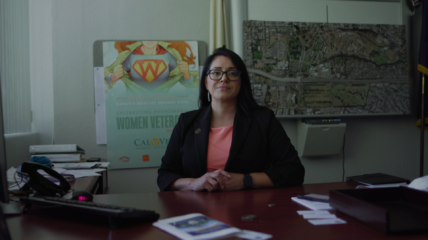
x=15 y=65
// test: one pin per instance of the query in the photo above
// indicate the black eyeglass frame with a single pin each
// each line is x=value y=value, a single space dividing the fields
x=222 y=73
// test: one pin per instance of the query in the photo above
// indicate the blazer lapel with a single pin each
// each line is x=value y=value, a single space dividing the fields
x=241 y=126
x=201 y=129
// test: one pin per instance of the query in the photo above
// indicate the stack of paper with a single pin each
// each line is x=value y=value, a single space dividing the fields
x=314 y=205
x=321 y=217
x=83 y=165
x=58 y=152
x=320 y=214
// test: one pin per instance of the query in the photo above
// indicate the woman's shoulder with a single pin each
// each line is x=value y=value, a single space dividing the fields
x=190 y=115
x=262 y=112
x=262 y=115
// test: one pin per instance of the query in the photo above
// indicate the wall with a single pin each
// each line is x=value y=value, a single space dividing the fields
x=76 y=25
x=17 y=147
x=373 y=144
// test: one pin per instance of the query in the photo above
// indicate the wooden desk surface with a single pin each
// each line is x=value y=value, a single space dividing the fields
x=280 y=220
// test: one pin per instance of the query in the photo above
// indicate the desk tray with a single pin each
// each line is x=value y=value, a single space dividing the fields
x=389 y=210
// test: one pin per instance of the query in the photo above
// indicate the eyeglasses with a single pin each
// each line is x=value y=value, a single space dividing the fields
x=232 y=75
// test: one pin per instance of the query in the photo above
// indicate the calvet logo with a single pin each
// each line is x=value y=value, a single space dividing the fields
x=151 y=142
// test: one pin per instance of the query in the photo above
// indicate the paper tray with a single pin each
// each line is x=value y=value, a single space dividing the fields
x=389 y=210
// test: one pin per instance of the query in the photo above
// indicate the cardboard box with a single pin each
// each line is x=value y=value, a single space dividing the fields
x=389 y=210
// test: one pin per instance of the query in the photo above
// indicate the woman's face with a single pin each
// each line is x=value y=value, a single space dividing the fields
x=223 y=90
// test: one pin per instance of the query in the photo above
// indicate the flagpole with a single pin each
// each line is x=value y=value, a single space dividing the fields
x=421 y=167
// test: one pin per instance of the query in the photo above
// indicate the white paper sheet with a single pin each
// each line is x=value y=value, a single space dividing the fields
x=304 y=212
x=327 y=221
x=58 y=170
x=82 y=173
x=318 y=216
x=247 y=234
x=82 y=164
x=11 y=175
x=17 y=186
x=314 y=205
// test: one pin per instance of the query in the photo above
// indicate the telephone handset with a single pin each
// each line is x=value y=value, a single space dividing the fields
x=40 y=184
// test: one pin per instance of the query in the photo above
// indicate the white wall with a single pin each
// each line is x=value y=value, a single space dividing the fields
x=17 y=147
x=333 y=11
x=373 y=144
x=76 y=26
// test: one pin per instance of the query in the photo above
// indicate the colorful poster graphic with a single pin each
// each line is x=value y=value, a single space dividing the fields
x=148 y=84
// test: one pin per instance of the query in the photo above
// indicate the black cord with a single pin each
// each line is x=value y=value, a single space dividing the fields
x=343 y=159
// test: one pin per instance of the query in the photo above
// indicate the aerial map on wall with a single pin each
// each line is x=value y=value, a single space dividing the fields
x=334 y=69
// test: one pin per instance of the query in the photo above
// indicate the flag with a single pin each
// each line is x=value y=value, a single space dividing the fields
x=416 y=3
x=423 y=63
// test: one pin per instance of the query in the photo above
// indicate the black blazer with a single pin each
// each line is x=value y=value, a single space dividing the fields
x=259 y=144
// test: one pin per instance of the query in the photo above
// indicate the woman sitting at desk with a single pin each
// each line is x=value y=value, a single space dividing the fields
x=230 y=142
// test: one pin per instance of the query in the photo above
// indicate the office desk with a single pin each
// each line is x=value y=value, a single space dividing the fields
x=94 y=185
x=87 y=183
x=280 y=220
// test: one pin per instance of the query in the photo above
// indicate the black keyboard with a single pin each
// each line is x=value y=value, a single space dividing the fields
x=92 y=208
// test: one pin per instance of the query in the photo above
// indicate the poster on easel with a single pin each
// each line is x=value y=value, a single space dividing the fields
x=148 y=84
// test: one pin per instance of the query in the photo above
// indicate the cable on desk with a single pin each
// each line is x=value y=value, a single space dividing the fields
x=17 y=183
x=343 y=159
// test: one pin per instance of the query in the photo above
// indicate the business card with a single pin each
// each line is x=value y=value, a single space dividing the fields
x=327 y=221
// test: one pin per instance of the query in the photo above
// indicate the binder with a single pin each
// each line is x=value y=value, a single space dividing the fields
x=66 y=157
x=57 y=148
x=376 y=179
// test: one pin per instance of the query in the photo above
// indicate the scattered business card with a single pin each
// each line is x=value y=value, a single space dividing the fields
x=247 y=234
x=319 y=216
x=314 y=205
x=327 y=221
x=304 y=212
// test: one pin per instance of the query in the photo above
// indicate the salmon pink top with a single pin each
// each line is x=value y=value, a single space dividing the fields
x=219 y=142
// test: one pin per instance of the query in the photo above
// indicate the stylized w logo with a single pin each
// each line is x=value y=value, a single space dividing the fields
x=149 y=70
x=155 y=141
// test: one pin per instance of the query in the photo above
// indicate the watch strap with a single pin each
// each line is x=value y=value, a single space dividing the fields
x=248 y=181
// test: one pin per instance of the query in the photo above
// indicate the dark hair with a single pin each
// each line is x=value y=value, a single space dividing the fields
x=245 y=96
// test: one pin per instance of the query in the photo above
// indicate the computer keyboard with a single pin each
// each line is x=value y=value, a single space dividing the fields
x=81 y=207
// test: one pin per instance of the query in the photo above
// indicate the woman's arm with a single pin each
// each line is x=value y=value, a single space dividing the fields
x=171 y=168
x=278 y=164
x=285 y=168
x=176 y=174
x=236 y=181
x=210 y=181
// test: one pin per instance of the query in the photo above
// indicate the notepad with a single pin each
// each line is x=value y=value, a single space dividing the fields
x=376 y=179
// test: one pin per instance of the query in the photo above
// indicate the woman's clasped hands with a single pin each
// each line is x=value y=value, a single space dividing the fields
x=218 y=180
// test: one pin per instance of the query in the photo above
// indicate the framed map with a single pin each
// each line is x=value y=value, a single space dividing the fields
x=301 y=69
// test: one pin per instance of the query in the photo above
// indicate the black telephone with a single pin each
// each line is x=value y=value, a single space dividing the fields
x=40 y=184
